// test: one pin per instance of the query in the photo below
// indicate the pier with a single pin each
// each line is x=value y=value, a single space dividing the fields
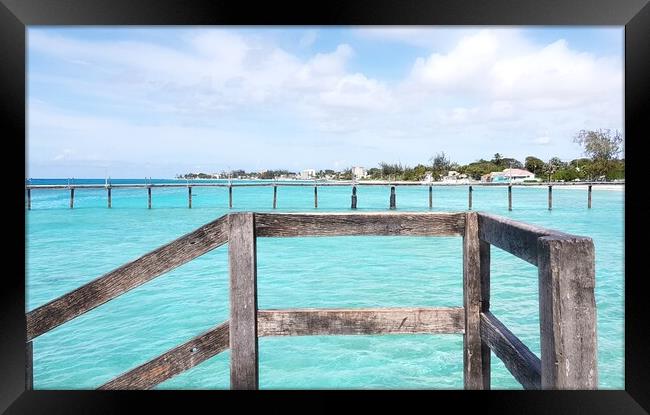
x=392 y=196
x=566 y=279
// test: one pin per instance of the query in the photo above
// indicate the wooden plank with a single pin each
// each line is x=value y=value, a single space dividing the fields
x=275 y=196
x=486 y=356
x=127 y=277
x=72 y=198
x=520 y=239
x=109 y=196
x=469 y=198
x=305 y=322
x=589 y=197
x=567 y=313
x=354 y=197
x=29 y=199
x=472 y=355
x=550 y=197
x=315 y=197
x=189 y=197
x=175 y=361
x=230 y=197
x=520 y=361
x=348 y=224
x=29 y=366
x=149 y=197
x=430 y=197
x=509 y=197
x=242 y=257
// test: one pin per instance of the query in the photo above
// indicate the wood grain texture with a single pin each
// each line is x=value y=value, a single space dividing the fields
x=567 y=313
x=472 y=355
x=520 y=239
x=127 y=277
x=520 y=361
x=347 y=224
x=486 y=356
x=175 y=361
x=242 y=257
x=304 y=322
x=29 y=366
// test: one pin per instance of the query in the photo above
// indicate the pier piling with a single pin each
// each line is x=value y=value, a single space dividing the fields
x=316 y=197
x=230 y=197
x=589 y=197
x=430 y=197
x=71 y=197
x=149 y=196
x=29 y=199
x=29 y=366
x=275 y=196
x=354 y=197
x=392 y=198
x=108 y=190
x=469 y=198
x=509 y=197
x=550 y=197
x=189 y=197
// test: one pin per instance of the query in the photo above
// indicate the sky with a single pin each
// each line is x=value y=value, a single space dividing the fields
x=132 y=102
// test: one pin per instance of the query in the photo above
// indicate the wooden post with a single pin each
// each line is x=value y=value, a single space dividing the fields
x=149 y=196
x=109 y=196
x=29 y=366
x=230 y=196
x=242 y=256
x=354 y=197
x=509 y=197
x=589 y=197
x=189 y=197
x=275 y=195
x=316 y=197
x=71 y=197
x=484 y=252
x=29 y=199
x=392 y=197
x=430 y=197
x=472 y=348
x=469 y=198
x=567 y=312
x=550 y=197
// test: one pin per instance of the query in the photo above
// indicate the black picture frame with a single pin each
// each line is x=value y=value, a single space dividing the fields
x=17 y=15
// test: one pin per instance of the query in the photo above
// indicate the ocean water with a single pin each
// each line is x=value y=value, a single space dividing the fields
x=66 y=248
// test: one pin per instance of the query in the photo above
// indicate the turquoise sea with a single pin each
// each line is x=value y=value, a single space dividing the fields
x=66 y=248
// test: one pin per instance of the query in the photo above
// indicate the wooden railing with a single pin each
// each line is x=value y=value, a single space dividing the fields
x=566 y=298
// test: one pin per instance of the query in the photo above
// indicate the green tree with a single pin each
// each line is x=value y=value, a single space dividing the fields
x=497 y=159
x=603 y=146
x=534 y=165
x=440 y=165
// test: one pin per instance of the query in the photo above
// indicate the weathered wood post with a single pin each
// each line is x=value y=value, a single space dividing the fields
x=108 y=189
x=509 y=197
x=149 y=196
x=29 y=366
x=567 y=312
x=29 y=199
x=230 y=196
x=242 y=255
x=469 y=198
x=354 y=197
x=392 y=198
x=71 y=197
x=189 y=197
x=316 y=197
x=550 y=197
x=589 y=197
x=275 y=195
x=473 y=375
x=430 y=196
x=484 y=252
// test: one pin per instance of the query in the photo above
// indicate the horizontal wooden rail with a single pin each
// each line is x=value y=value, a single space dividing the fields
x=126 y=277
x=348 y=224
x=295 y=322
x=517 y=238
x=305 y=322
x=520 y=361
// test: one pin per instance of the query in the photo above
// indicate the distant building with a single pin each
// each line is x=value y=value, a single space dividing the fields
x=455 y=177
x=307 y=174
x=508 y=176
x=359 y=172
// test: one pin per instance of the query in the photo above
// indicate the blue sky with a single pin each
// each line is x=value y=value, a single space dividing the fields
x=143 y=101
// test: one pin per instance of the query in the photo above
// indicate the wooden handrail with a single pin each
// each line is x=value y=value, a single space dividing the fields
x=126 y=277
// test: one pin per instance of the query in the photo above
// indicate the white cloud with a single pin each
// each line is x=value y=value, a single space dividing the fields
x=544 y=140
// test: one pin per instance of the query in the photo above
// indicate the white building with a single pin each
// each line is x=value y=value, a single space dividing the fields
x=307 y=174
x=455 y=177
x=359 y=172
